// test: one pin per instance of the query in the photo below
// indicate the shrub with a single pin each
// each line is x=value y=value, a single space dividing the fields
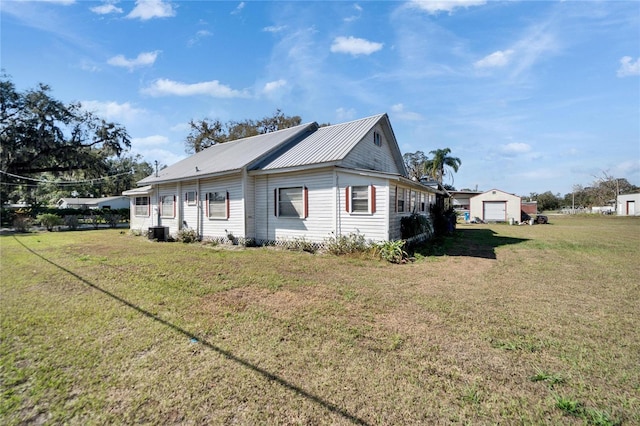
x=22 y=223
x=346 y=244
x=392 y=251
x=112 y=219
x=301 y=244
x=72 y=221
x=96 y=217
x=49 y=220
x=413 y=225
x=187 y=236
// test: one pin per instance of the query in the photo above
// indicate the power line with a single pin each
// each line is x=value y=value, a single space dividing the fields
x=64 y=182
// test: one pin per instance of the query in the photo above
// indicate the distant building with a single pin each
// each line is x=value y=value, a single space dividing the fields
x=496 y=206
x=115 y=202
x=628 y=205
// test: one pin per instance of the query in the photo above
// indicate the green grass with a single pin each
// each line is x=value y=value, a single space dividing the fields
x=485 y=328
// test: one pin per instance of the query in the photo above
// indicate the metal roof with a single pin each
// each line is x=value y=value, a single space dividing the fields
x=326 y=145
x=228 y=156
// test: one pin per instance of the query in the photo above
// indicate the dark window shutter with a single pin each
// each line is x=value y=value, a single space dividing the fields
x=275 y=202
x=305 y=201
x=347 y=198
x=206 y=204
x=228 y=204
x=373 y=199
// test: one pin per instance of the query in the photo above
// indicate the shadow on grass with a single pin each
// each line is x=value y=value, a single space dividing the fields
x=467 y=242
x=228 y=355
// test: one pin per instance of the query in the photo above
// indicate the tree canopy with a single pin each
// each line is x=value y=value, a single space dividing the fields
x=420 y=166
x=206 y=132
x=43 y=139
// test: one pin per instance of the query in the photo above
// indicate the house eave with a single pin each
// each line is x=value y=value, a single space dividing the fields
x=190 y=177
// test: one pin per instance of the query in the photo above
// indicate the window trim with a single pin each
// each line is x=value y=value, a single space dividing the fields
x=304 y=199
x=400 y=192
x=227 y=204
x=377 y=139
x=162 y=202
x=136 y=205
x=371 y=199
x=192 y=202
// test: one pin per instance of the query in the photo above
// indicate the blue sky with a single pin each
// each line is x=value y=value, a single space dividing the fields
x=531 y=96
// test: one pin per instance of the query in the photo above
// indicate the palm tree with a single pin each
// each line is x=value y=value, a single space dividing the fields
x=435 y=167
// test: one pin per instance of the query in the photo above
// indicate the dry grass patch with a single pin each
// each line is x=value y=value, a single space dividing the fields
x=500 y=324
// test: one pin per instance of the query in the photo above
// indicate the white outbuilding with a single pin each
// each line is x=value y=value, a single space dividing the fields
x=496 y=206
x=628 y=205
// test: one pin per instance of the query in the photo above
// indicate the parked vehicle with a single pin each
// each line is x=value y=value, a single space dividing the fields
x=542 y=219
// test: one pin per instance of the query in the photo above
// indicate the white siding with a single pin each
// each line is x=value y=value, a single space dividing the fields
x=629 y=205
x=321 y=201
x=395 y=216
x=366 y=155
x=189 y=212
x=234 y=224
x=374 y=226
x=172 y=222
x=140 y=223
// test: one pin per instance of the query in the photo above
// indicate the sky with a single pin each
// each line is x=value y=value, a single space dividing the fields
x=532 y=96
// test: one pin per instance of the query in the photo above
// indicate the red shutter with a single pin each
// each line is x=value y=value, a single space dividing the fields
x=275 y=202
x=206 y=204
x=373 y=199
x=228 y=206
x=305 y=201
x=346 y=199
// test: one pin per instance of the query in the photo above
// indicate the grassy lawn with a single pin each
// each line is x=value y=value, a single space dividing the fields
x=499 y=324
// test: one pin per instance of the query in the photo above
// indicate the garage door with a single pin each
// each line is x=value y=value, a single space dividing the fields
x=495 y=211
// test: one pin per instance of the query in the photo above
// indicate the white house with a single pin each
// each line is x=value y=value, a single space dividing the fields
x=306 y=182
x=115 y=202
x=495 y=206
x=628 y=205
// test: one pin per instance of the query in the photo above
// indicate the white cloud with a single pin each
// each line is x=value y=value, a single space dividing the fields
x=106 y=9
x=358 y=10
x=239 y=8
x=142 y=60
x=343 y=114
x=113 y=110
x=400 y=113
x=199 y=36
x=496 y=59
x=165 y=87
x=435 y=6
x=274 y=29
x=354 y=46
x=148 y=9
x=516 y=148
x=272 y=86
x=628 y=67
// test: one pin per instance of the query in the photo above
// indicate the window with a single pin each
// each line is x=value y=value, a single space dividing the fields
x=142 y=206
x=423 y=204
x=400 y=199
x=292 y=202
x=167 y=205
x=190 y=198
x=361 y=199
x=377 y=139
x=217 y=205
x=414 y=203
